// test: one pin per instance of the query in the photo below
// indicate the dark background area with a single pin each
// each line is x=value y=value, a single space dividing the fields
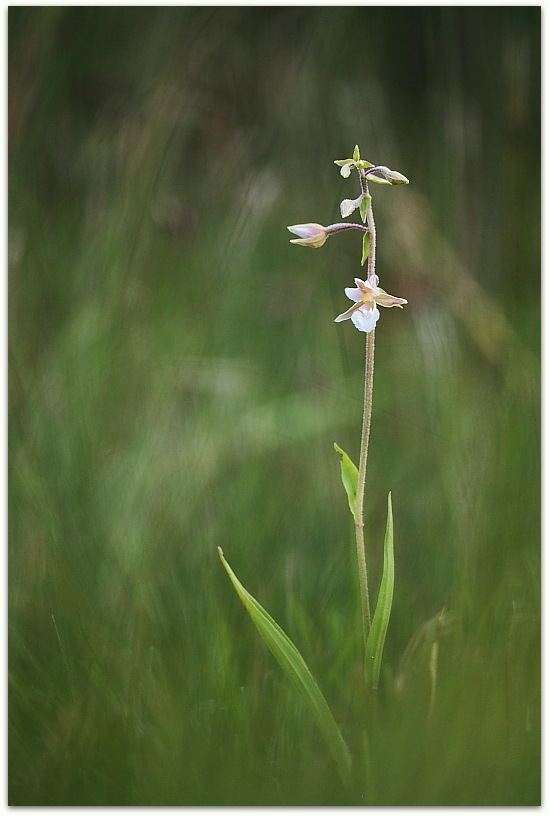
x=176 y=382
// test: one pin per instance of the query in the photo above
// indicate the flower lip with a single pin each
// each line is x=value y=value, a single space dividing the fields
x=365 y=320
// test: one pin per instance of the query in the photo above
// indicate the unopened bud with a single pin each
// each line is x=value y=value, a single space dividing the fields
x=387 y=176
x=347 y=207
x=313 y=235
x=346 y=170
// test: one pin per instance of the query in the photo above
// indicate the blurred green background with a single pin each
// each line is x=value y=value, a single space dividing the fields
x=176 y=382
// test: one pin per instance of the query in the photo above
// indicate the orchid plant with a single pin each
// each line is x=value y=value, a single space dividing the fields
x=366 y=295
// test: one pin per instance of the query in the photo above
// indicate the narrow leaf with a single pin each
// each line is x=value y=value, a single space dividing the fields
x=364 y=207
x=356 y=154
x=378 y=630
x=298 y=672
x=365 y=248
x=349 y=475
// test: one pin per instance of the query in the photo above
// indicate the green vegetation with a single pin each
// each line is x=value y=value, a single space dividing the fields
x=176 y=383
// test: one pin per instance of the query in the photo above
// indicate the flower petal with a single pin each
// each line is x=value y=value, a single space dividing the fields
x=365 y=319
x=346 y=315
x=353 y=294
x=313 y=241
x=389 y=300
x=368 y=287
x=306 y=230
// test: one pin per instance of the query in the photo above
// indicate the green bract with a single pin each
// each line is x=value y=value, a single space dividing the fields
x=364 y=205
x=349 y=477
x=365 y=248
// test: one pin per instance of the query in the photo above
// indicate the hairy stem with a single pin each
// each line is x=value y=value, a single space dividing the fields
x=365 y=438
x=345 y=226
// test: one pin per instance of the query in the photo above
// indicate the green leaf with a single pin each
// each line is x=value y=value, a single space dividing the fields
x=363 y=165
x=349 y=475
x=378 y=630
x=356 y=154
x=364 y=207
x=341 y=162
x=365 y=248
x=296 y=669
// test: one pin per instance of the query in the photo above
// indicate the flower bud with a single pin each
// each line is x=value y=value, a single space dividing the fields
x=390 y=176
x=347 y=207
x=313 y=235
x=394 y=177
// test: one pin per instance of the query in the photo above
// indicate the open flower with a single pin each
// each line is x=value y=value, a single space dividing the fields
x=367 y=296
x=313 y=235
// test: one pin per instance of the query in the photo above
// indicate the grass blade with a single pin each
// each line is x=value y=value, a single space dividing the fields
x=349 y=477
x=376 y=638
x=296 y=669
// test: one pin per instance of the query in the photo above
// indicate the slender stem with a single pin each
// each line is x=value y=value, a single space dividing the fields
x=372 y=228
x=365 y=438
x=345 y=226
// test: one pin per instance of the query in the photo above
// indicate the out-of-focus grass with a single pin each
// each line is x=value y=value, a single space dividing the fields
x=177 y=383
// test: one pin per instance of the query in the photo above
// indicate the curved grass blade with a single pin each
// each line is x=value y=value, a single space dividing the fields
x=376 y=638
x=296 y=669
x=349 y=477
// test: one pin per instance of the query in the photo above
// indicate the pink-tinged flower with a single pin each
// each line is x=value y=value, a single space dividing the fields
x=367 y=296
x=313 y=235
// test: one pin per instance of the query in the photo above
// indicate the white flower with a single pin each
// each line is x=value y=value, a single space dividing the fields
x=367 y=295
x=313 y=235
